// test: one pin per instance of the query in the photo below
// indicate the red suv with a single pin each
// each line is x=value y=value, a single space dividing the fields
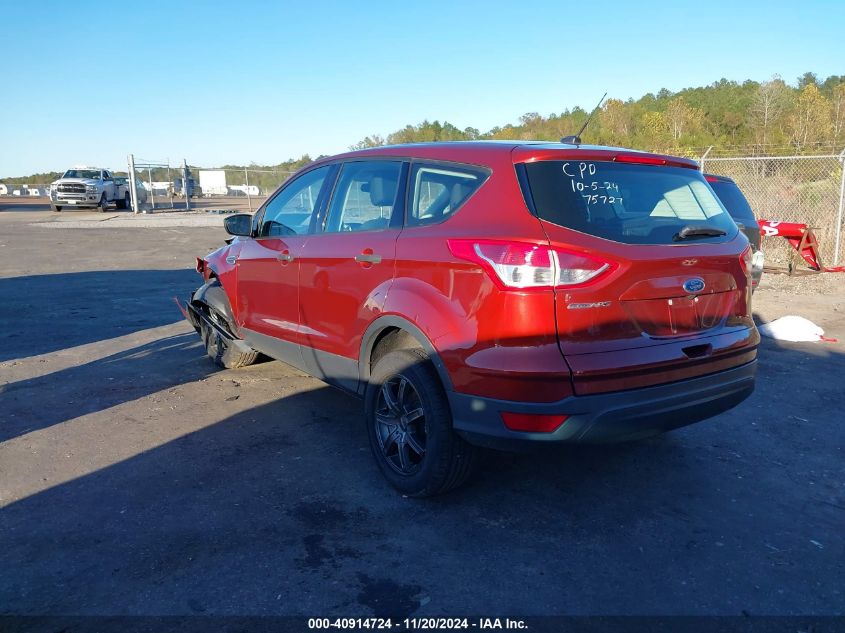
x=492 y=294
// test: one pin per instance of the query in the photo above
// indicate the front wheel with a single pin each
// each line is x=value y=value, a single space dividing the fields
x=409 y=426
x=104 y=203
x=221 y=352
x=56 y=208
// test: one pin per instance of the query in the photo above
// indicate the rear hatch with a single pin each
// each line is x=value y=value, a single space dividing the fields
x=653 y=284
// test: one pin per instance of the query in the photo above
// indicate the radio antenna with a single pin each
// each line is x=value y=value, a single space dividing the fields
x=576 y=139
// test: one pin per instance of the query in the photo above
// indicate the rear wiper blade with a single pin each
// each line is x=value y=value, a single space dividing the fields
x=689 y=232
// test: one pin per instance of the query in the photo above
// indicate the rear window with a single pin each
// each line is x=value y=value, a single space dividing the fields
x=734 y=201
x=623 y=202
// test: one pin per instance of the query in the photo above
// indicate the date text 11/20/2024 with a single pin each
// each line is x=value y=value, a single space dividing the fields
x=414 y=624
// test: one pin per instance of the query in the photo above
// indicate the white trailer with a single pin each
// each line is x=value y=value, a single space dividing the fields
x=213 y=182
x=244 y=190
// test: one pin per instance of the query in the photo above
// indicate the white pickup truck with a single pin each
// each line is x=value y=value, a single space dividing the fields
x=88 y=187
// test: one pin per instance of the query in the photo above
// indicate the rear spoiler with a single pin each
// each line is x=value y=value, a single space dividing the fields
x=529 y=154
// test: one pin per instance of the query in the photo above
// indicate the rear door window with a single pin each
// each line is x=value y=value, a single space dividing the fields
x=440 y=190
x=628 y=203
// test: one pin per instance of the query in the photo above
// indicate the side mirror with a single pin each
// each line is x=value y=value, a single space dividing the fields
x=239 y=224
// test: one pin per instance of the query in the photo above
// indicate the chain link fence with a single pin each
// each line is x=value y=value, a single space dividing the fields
x=809 y=189
x=805 y=189
x=162 y=186
x=245 y=188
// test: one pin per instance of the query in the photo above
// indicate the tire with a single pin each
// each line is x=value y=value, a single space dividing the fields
x=221 y=353
x=55 y=208
x=125 y=203
x=405 y=382
x=104 y=204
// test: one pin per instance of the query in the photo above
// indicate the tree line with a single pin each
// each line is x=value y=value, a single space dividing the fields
x=759 y=118
x=769 y=117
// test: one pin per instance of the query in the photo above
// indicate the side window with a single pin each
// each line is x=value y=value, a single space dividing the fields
x=440 y=190
x=289 y=213
x=365 y=196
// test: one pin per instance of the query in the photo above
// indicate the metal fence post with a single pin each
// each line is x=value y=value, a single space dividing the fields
x=133 y=193
x=152 y=190
x=169 y=184
x=246 y=181
x=841 y=205
x=701 y=162
x=185 y=185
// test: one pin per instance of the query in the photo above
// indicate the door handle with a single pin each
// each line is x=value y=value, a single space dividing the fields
x=285 y=257
x=368 y=257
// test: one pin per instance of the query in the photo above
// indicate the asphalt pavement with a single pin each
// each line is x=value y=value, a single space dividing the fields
x=138 y=479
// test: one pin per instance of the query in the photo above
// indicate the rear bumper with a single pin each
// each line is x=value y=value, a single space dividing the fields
x=611 y=417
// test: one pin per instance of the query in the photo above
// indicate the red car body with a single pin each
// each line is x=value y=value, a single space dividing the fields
x=620 y=351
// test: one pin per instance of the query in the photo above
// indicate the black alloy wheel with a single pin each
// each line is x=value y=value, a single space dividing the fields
x=401 y=428
x=409 y=426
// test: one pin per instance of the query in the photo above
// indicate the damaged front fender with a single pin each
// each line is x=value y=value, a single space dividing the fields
x=209 y=309
x=212 y=295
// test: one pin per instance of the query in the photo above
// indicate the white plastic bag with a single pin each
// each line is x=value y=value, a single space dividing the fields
x=792 y=328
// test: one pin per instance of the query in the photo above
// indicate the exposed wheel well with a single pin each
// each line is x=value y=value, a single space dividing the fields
x=389 y=340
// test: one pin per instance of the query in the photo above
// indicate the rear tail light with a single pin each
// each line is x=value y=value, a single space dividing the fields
x=575 y=269
x=525 y=265
x=532 y=423
x=745 y=260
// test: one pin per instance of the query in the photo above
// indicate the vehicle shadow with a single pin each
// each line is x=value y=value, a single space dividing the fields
x=43 y=401
x=46 y=313
x=279 y=509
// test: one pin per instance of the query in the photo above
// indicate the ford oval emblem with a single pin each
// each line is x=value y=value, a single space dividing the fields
x=696 y=284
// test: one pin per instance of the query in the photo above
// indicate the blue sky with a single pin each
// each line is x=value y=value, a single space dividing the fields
x=239 y=82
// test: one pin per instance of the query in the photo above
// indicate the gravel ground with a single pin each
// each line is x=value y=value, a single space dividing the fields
x=137 y=479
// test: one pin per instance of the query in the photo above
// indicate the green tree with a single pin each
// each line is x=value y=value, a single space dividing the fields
x=810 y=119
x=370 y=141
x=806 y=79
x=767 y=109
x=656 y=129
x=837 y=114
x=616 y=118
x=682 y=119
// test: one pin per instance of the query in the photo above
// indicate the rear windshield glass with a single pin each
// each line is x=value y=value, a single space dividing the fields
x=734 y=201
x=629 y=203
